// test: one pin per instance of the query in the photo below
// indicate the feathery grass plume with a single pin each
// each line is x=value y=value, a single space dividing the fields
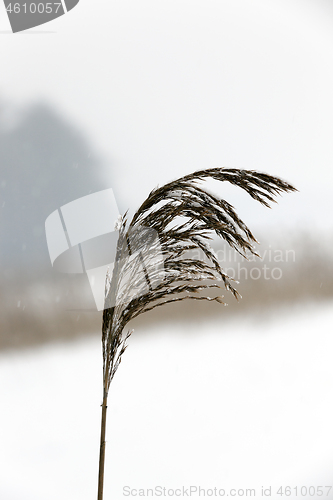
x=153 y=267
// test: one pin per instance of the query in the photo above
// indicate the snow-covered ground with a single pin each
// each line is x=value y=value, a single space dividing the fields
x=229 y=405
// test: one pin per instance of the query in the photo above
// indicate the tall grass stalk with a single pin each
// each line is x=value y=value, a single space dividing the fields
x=153 y=266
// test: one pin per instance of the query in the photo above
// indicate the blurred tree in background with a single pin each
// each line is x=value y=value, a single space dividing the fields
x=45 y=163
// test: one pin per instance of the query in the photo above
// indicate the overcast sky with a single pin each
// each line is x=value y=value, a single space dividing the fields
x=162 y=88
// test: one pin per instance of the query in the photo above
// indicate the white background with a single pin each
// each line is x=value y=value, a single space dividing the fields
x=167 y=87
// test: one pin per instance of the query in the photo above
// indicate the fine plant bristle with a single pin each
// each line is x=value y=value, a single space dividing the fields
x=153 y=264
x=183 y=216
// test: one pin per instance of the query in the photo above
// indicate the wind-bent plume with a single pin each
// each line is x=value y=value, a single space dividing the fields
x=153 y=266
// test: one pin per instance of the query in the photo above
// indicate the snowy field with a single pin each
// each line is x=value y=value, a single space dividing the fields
x=231 y=405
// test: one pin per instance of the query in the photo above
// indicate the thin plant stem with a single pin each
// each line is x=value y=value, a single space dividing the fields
x=102 y=448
